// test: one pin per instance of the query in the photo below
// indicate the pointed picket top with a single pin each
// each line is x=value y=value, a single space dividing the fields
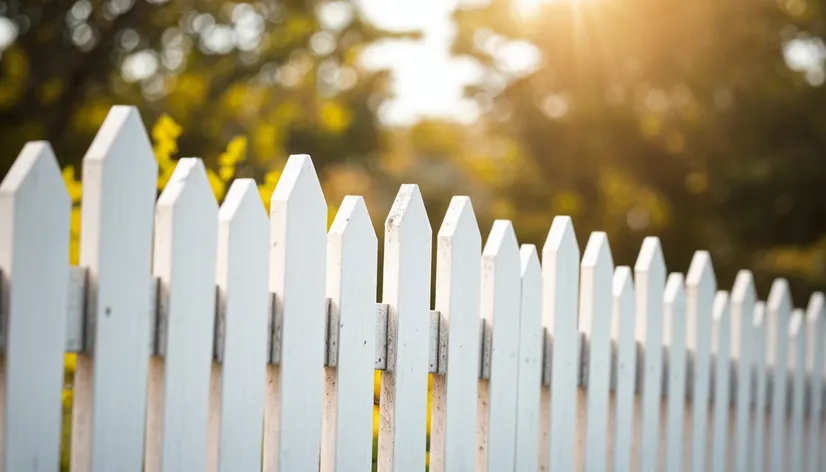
x=560 y=290
x=408 y=210
x=597 y=251
x=34 y=251
x=459 y=222
x=778 y=307
x=701 y=285
x=673 y=299
x=650 y=274
x=815 y=334
x=122 y=140
x=188 y=180
x=623 y=293
x=530 y=361
x=35 y=168
x=674 y=334
x=353 y=220
x=242 y=205
x=299 y=184
x=743 y=298
x=622 y=325
x=797 y=371
x=501 y=242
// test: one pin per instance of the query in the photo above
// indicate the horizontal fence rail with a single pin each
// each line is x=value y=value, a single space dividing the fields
x=214 y=338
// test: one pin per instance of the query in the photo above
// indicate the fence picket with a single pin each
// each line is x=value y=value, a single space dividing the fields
x=815 y=339
x=406 y=289
x=530 y=361
x=298 y=240
x=119 y=178
x=347 y=433
x=560 y=278
x=777 y=338
x=674 y=334
x=623 y=327
x=186 y=221
x=701 y=286
x=34 y=250
x=496 y=433
x=743 y=298
x=797 y=363
x=243 y=315
x=649 y=272
x=458 y=276
x=757 y=455
x=721 y=334
x=595 y=323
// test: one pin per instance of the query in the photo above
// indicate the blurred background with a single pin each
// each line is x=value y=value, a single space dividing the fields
x=702 y=122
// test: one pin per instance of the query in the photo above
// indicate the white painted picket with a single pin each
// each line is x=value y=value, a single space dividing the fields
x=623 y=329
x=237 y=400
x=743 y=298
x=650 y=285
x=501 y=297
x=701 y=285
x=560 y=274
x=298 y=223
x=595 y=321
x=815 y=352
x=34 y=249
x=234 y=342
x=758 y=455
x=721 y=346
x=186 y=229
x=777 y=341
x=797 y=357
x=406 y=290
x=458 y=272
x=530 y=362
x=347 y=422
x=110 y=384
x=675 y=325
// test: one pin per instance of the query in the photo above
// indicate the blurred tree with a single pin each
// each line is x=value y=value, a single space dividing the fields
x=700 y=122
x=274 y=76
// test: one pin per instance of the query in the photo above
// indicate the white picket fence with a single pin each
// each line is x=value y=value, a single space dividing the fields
x=568 y=365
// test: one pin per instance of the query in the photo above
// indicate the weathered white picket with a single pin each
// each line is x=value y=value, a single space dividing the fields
x=234 y=342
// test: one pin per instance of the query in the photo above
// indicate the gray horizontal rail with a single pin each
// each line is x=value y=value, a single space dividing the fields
x=79 y=318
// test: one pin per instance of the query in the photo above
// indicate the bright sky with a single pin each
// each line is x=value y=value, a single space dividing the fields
x=427 y=80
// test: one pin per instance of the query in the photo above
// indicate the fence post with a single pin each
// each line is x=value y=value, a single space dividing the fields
x=34 y=254
x=674 y=319
x=241 y=338
x=595 y=323
x=701 y=286
x=298 y=240
x=186 y=223
x=347 y=428
x=623 y=326
x=119 y=187
x=779 y=306
x=530 y=362
x=496 y=438
x=743 y=297
x=458 y=279
x=406 y=289
x=560 y=278
x=721 y=334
